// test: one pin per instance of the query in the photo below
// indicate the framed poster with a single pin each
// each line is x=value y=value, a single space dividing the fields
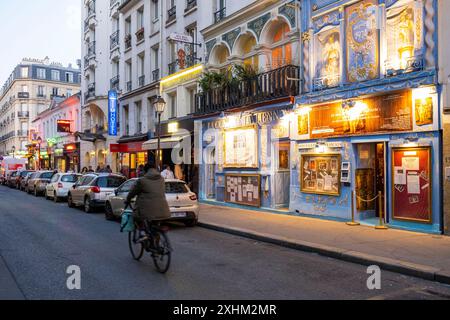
x=241 y=147
x=412 y=184
x=321 y=174
x=243 y=189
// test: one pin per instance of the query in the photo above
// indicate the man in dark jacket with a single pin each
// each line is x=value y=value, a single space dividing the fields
x=151 y=203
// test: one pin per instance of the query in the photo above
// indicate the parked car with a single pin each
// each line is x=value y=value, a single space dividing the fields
x=22 y=175
x=11 y=179
x=38 y=182
x=59 y=185
x=24 y=181
x=92 y=190
x=182 y=201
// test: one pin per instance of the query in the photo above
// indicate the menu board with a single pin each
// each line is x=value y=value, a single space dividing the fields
x=243 y=189
x=241 y=147
x=388 y=113
x=320 y=174
x=412 y=184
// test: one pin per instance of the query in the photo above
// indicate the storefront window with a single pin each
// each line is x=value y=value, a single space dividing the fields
x=320 y=174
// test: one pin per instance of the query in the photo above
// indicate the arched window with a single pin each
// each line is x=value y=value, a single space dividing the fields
x=281 y=55
x=248 y=44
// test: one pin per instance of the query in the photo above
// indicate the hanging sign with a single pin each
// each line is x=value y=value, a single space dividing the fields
x=112 y=113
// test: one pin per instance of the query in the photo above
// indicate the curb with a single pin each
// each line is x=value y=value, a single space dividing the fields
x=394 y=265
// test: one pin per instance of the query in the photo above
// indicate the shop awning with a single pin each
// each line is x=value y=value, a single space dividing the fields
x=166 y=143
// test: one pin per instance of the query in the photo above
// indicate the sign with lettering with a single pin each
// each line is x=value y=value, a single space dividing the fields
x=260 y=118
x=112 y=113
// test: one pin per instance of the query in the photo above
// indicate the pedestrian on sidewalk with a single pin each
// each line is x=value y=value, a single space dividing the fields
x=167 y=173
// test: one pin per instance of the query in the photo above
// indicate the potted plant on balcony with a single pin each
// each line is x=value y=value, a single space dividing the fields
x=128 y=41
x=140 y=34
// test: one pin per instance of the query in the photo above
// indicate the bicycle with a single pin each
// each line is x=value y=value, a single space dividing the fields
x=154 y=240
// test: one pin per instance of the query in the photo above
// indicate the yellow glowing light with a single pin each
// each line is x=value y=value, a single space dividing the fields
x=231 y=122
x=173 y=127
x=303 y=111
x=197 y=69
x=355 y=112
x=410 y=153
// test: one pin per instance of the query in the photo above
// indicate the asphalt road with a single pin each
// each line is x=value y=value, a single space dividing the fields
x=39 y=240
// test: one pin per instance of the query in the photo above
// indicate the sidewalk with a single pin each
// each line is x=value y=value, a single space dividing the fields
x=420 y=255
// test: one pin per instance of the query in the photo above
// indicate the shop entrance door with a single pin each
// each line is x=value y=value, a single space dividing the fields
x=282 y=183
x=370 y=176
x=211 y=176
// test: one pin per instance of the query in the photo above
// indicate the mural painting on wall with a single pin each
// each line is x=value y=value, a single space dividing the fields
x=303 y=124
x=424 y=111
x=362 y=40
x=387 y=113
x=328 y=64
x=404 y=27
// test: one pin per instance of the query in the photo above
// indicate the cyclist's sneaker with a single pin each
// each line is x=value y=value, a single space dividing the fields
x=142 y=239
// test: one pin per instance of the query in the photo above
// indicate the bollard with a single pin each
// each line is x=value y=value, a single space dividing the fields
x=353 y=223
x=380 y=205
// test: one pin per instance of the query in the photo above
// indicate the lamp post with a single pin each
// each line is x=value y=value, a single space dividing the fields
x=160 y=106
x=14 y=151
x=39 y=141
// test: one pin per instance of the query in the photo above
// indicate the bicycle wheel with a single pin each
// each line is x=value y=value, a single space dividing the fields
x=136 y=249
x=162 y=253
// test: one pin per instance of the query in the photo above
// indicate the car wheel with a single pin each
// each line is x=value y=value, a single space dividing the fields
x=55 y=198
x=109 y=215
x=191 y=223
x=87 y=206
x=70 y=201
x=46 y=195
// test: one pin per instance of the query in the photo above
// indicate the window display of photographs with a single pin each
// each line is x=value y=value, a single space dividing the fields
x=321 y=174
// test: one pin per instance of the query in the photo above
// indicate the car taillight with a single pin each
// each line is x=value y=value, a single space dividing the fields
x=95 y=189
x=60 y=185
x=193 y=197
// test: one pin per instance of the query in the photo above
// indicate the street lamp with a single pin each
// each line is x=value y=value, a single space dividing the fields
x=14 y=151
x=39 y=141
x=160 y=106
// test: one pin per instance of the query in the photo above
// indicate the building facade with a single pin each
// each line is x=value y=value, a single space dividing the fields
x=59 y=149
x=27 y=92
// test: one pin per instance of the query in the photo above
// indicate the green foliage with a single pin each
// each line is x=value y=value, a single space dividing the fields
x=232 y=76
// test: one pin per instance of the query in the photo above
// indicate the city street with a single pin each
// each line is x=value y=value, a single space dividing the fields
x=40 y=239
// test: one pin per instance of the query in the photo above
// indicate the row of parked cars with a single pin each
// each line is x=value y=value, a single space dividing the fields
x=101 y=191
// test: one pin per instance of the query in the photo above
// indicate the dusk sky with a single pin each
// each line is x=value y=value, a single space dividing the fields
x=35 y=29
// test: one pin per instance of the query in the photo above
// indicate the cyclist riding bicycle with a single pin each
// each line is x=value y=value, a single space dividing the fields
x=151 y=203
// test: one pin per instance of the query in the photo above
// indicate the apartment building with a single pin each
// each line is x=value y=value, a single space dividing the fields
x=27 y=92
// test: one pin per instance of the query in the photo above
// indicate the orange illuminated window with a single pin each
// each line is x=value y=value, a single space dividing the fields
x=281 y=55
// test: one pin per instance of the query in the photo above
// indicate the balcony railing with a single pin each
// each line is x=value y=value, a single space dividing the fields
x=90 y=91
x=91 y=8
x=267 y=86
x=412 y=64
x=141 y=81
x=23 y=114
x=172 y=14
x=114 y=40
x=326 y=82
x=155 y=74
x=190 y=4
x=140 y=35
x=23 y=95
x=115 y=83
x=129 y=86
x=220 y=15
x=91 y=49
x=22 y=133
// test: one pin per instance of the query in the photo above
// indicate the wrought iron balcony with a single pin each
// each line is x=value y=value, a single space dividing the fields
x=127 y=41
x=22 y=133
x=91 y=49
x=326 y=82
x=23 y=95
x=114 y=40
x=190 y=4
x=155 y=74
x=90 y=91
x=171 y=14
x=173 y=67
x=140 y=35
x=115 y=83
x=411 y=64
x=23 y=114
x=267 y=86
x=129 y=86
x=220 y=15
x=141 y=81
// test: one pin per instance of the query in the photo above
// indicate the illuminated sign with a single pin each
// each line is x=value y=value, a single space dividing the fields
x=173 y=127
x=112 y=113
x=63 y=126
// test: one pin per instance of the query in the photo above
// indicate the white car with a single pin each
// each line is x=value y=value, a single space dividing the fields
x=182 y=201
x=59 y=186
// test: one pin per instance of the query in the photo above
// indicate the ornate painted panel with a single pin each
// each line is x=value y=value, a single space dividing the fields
x=327 y=55
x=362 y=41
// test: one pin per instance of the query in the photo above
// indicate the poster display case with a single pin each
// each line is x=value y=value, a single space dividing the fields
x=320 y=174
x=241 y=147
x=412 y=185
x=243 y=189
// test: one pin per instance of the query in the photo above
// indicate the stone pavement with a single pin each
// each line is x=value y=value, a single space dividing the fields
x=421 y=255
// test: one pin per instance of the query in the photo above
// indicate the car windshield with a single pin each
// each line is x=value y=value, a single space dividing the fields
x=24 y=173
x=47 y=175
x=176 y=187
x=110 y=182
x=72 y=178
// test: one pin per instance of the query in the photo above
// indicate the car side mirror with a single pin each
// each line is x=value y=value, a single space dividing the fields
x=116 y=192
